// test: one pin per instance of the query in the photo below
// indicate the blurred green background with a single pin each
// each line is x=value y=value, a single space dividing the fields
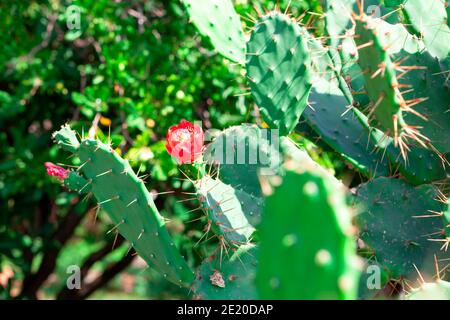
x=131 y=68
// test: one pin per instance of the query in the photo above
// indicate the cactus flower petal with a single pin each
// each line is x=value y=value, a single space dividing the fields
x=185 y=142
x=56 y=171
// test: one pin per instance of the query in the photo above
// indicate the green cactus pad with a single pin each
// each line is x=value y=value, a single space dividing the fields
x=395 y=38
x=66 y=138
x=306 y=251
x=130 y=206
x=217 y=20
x=278 y=66
x=430 y=83
x=439 y=290
x=292 y=152
x=422 y=165
x=232 y=212
x=336 y=123
x=395 y=222
x=78 y=183
x=346 y=131
x=338 y=18
x=380 y=79
x=429 y=21
x=241 y=152
x=447 y=218
x=237 y=273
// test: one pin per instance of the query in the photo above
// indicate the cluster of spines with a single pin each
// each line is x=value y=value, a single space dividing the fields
x=381 y=81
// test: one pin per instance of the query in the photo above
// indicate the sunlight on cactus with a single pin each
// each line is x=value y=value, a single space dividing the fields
x=303 y=155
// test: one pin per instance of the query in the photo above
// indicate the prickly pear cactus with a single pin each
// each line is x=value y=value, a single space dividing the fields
x=128 y=203
x=279 y=70
x=346 y=130
x=217 y=20
x=232 y=213
x=228 y=277
x=433 y=28
x=78 y=183
x=380 y=80
x=403 y=225
x=241 y=153
x=307 y=251
x=439 y=290
x=373 y=89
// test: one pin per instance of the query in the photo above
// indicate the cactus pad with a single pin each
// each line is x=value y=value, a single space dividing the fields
x=306 y=251
x=439 y=290
x=232 y=212
x=241 y=152
x=129 y=205
x=218 y=20
x=402 y=225
x=230 y=279
x=278 y=66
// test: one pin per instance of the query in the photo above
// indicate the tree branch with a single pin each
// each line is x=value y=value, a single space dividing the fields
x=65 y=230
x=110 y=272
x=66 y=293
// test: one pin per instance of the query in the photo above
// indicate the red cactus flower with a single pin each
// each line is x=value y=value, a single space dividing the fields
x=185 y=142
x=56 y=171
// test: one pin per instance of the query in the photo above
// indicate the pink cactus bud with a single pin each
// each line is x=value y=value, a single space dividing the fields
x=56 y=171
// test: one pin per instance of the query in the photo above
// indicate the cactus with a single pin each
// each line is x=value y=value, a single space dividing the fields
x=230 y=279
x=423 y=165
x=278 y=67
x=240 y=152
x=346 y=131
x=291 y=152
x=447 y=218
x=307 y=251
x=78 y=183
x=232 y=213
x=217 y=20
x=128 y=203
x=377 y=95
x=402 y=225
x=381 y=83
x=434 y=30
x=430 y=84
x=439 y=290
